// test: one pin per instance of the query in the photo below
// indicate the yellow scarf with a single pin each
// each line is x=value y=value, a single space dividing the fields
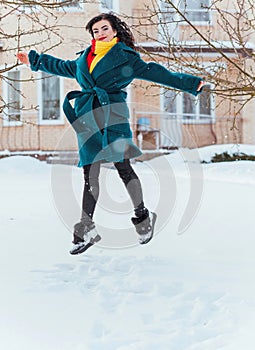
x=101 y=49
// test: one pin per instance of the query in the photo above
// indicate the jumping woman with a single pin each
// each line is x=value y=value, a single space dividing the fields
x=100 y=115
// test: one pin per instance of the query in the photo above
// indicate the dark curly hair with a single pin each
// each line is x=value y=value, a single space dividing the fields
x=123 y=31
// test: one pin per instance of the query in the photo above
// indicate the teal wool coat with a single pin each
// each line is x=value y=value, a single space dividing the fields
x=100 y=115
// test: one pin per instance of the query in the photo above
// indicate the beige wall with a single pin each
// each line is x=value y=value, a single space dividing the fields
x=72 y=28
x=30 y=135
x=222 y=131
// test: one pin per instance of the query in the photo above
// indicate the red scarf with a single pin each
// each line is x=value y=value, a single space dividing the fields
x=91 y=54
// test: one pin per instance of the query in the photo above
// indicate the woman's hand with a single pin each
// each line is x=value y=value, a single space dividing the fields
x=201 y=84
x=23 y=57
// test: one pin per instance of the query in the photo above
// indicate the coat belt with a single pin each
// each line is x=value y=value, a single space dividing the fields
x=103 y=98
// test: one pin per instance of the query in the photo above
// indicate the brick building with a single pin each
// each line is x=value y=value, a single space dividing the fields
x=33 y=120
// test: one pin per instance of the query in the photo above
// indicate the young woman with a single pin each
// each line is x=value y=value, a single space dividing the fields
x=100 y=114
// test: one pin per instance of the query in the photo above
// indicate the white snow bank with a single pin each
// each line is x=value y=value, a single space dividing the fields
x=206 y=153
x=188 y=292
x=234 y=172
x=22 y=164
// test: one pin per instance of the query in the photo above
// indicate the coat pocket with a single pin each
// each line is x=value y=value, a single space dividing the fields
x=119 y=130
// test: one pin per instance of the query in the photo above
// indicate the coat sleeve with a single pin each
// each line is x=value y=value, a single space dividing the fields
x=156 y=73
x=52 y=65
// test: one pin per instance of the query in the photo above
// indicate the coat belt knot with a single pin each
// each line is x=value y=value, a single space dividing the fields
x=101 y=94
x=103 y=98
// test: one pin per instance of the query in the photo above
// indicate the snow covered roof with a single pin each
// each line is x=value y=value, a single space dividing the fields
x=199 y=46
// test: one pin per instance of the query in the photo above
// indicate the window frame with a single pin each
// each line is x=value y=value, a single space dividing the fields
x=6 y=87
x=179 y=115
x=42 y=121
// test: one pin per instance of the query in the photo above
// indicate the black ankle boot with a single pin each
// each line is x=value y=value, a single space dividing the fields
x=144 y=226
x=141 y=211
x=81 y=229
x=85 y=236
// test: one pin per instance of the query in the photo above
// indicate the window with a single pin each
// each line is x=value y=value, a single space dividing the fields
x=60 y=5
x=188 y=108
x=75 y=5
x=189 y=103
x=50 y=92
x=195 y=11
x=169 y=101
x=168 y=12
x=168 y=23
x=29 y=8
x=12 y=98
x=109 y=5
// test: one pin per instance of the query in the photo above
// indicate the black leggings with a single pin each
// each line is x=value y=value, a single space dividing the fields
x=91 y=187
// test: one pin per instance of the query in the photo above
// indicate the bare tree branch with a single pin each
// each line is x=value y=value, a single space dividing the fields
x=167 y=31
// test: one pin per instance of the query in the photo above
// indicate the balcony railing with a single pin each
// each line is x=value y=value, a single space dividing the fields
x=169 y=130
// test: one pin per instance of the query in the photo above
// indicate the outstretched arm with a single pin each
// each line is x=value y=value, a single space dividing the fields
x=48 y=64
x=156 y=73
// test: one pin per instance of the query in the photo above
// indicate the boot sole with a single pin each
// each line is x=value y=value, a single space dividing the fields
x=83 y=247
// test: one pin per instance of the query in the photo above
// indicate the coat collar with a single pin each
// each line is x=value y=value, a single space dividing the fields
x=114 y=58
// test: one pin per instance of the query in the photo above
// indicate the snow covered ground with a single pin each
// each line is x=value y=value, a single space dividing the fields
x=186 y=290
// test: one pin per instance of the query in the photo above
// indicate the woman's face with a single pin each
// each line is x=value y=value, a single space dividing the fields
x=103 y=31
